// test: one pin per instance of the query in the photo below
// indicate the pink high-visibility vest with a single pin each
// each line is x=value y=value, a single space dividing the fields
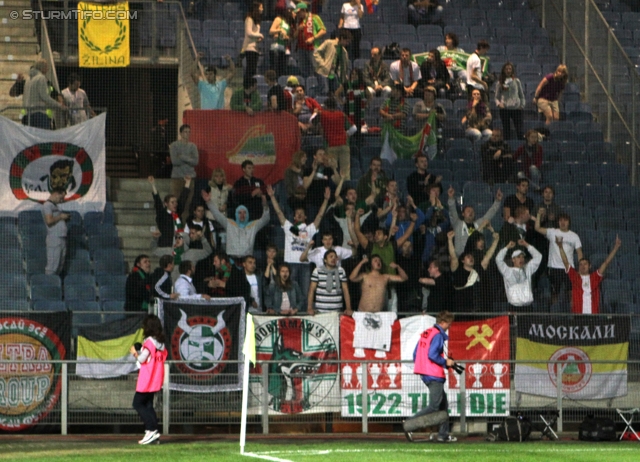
x=423 y=365
x=151 y=375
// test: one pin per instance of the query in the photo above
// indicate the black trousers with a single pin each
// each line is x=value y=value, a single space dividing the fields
x=143 y=404
x=252 y=63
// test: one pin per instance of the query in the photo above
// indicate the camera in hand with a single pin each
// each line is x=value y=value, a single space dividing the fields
x=137 y=346
x=459 y=368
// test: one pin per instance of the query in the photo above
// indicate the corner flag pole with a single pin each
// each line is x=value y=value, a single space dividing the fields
x=249 y=352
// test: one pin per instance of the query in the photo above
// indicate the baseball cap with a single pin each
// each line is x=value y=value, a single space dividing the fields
x=517 y=253
x=293 y=80
x=300 y=6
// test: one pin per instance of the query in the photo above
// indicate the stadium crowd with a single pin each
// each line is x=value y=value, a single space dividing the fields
x=383 y=242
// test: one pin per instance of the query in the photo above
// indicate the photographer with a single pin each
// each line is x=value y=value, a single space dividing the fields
x=431 y=363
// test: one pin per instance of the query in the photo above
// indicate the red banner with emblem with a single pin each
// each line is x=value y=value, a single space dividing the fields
x=481 y=340
x=225 y=139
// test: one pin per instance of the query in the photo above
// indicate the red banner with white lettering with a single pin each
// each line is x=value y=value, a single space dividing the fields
x=484 y=340
x=227 y=138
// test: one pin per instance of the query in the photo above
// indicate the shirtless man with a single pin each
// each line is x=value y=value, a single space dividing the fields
x=374 y=283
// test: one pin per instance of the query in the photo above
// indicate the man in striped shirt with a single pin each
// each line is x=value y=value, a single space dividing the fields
x=328 y=286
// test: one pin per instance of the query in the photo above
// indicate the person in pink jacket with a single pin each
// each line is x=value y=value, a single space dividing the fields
x=151 y=357
x=430 y=362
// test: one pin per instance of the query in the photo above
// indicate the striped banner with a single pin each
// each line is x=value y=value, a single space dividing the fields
x=571 y=340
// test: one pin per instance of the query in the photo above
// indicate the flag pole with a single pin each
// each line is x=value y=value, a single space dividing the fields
x=249 y=352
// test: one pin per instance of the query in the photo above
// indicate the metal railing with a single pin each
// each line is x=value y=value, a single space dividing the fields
x=595 y=57
x=83 y=401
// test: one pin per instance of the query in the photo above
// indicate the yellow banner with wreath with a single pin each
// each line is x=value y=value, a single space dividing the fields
x=103 y=34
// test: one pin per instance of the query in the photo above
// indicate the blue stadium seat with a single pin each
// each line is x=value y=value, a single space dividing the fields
x=85 y=292
x=616 y=292
x=49 y=305
x=45 y=292
x=93 y=317
x=46 y=280
x=112 y=292
x=10 y=304
x=104 y=279
x=595 y=195
x=614 y=174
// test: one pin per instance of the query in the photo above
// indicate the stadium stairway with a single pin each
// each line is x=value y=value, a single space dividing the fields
x=135 y=215
x=18 y=51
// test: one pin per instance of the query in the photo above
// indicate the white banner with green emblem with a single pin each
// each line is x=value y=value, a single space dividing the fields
x=302 y=377
x=34 y=161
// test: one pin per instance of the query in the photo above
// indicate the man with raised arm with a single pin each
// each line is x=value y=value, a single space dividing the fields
x=517 y=279
x=241 y=232
x=585 y=293
x=374 y=283
x=468 y=224
x=296 y=237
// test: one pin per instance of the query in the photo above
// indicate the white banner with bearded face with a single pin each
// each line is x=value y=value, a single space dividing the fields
x=34 y=161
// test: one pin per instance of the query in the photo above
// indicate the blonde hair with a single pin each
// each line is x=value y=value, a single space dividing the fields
x=565 y=72
x=214 y=173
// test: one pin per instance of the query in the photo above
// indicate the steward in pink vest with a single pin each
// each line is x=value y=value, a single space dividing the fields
x=428 y=357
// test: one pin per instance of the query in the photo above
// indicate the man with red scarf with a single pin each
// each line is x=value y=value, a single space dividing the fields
x=431 y=364
x=309 y=30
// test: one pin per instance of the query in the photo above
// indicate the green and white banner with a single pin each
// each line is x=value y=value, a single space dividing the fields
x=302 y=380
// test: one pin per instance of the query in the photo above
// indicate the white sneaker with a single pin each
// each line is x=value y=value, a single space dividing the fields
x=149 y=436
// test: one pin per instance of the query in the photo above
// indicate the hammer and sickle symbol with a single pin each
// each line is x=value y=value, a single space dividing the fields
x=479 y=336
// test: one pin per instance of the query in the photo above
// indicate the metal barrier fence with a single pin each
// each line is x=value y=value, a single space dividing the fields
x=84 y=401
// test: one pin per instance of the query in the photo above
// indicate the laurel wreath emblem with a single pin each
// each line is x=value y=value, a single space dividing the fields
x=122 y=31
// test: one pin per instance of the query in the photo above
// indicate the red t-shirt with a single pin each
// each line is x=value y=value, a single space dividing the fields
x=333 y=123
x=577 y=291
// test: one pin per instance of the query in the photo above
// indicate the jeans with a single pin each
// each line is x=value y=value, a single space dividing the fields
x=143 y=404
x=301 y=273
x=305 y=62
x=437 y=402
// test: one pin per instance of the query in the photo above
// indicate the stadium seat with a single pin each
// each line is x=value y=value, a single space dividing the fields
x=45 y=292
x=112 y=292
x=49 y=305
x=84 y=312
x=45 y=280
x=79 y=292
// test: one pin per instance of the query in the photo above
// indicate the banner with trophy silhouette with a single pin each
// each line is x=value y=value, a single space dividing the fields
x=574 y=341
x=207 y=337
x=487 y=384
x=393 y=388
x=301 y=380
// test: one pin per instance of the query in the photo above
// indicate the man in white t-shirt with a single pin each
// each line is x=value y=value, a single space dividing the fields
x=405 y=72
x=296 y=237
x=255 y=282
x=77 y=101
x=316 y=256
x=560 y=283
x=474 y=70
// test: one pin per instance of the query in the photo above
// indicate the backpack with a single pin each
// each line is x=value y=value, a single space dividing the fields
x=391 y=51
x=597 y=429
x=514 y=429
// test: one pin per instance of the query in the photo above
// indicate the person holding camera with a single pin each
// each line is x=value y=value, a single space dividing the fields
x=151 y=356
x=431 y=363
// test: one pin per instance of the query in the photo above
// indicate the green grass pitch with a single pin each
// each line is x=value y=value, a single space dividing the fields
x=281 y=448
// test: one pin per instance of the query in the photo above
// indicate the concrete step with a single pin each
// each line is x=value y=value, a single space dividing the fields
x=136 y=218
x=136 y=242
x=134 y=230
x=16 y=28
x=140 y=197
x=25 y=59
x=26 y=4
x=133 y=204
x=140 y=184
x=18 y=38
x=17 y=48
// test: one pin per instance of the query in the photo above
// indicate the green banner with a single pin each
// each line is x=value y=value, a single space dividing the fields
x=454 y=60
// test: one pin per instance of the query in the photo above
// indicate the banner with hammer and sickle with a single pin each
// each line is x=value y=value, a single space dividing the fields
x=482 y=339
